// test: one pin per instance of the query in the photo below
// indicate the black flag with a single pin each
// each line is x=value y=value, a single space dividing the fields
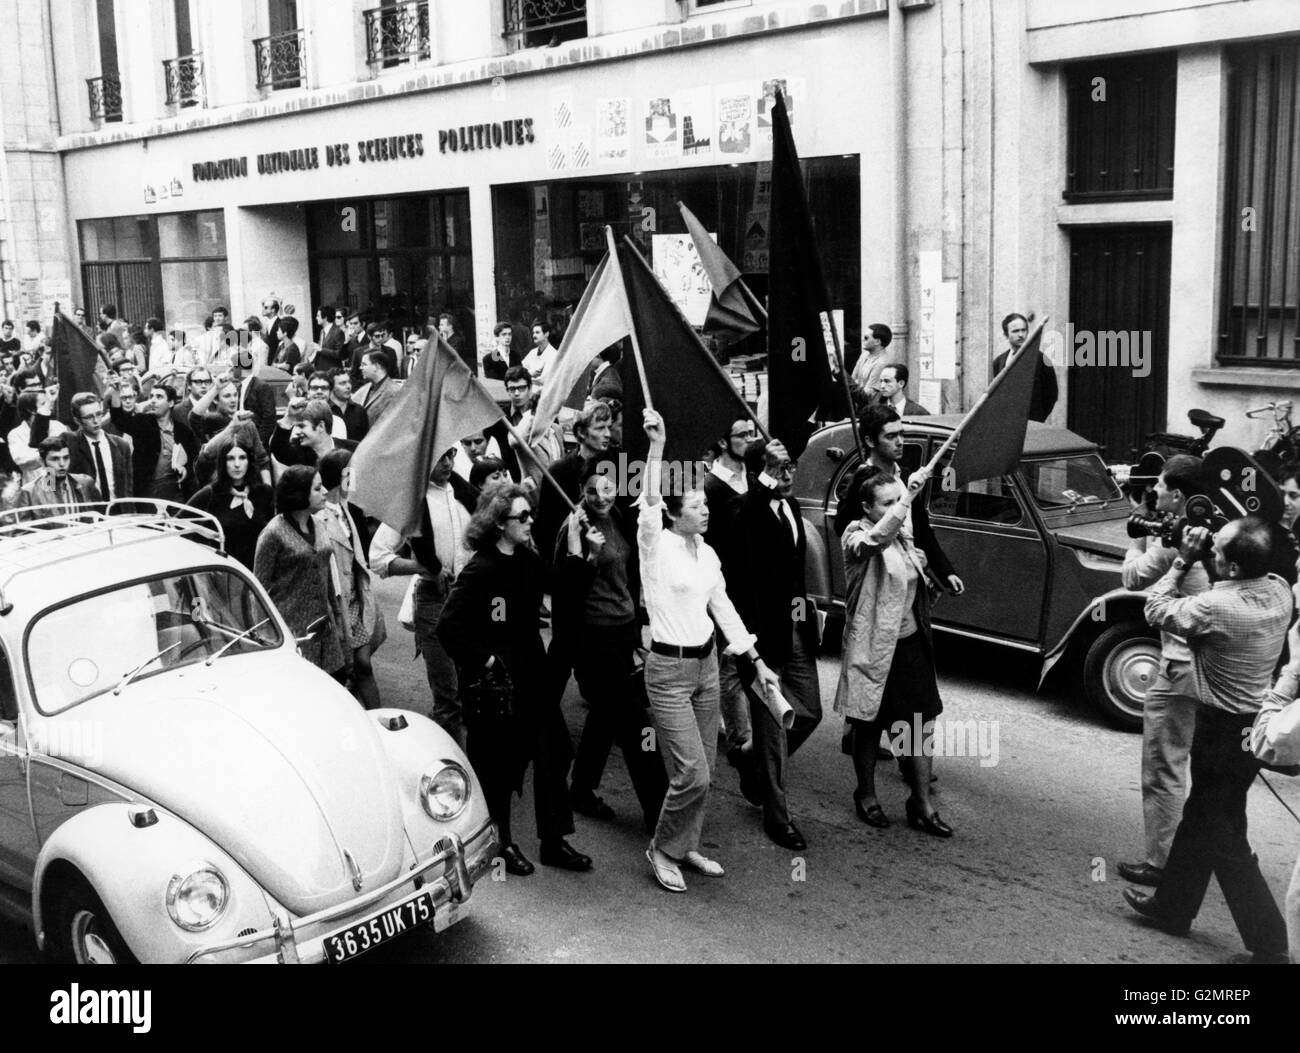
x=800 y=351
x=689 y=388
x=75 y=357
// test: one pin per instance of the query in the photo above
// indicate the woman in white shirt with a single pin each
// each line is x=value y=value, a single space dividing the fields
x=682 y=586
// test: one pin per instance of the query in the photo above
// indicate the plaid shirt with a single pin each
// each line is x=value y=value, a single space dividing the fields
x=1235 y=632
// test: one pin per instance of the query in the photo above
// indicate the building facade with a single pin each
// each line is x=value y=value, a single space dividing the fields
x=1127 y=169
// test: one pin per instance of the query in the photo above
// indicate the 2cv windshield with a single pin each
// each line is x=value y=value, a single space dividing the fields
x=1074 y=480
x=89 y=646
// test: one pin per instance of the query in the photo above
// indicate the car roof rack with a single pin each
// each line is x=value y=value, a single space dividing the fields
x=25 y=532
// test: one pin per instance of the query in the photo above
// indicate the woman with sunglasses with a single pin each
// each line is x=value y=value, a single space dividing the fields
x=684 y=594
x=489 y=627
x=887 y=675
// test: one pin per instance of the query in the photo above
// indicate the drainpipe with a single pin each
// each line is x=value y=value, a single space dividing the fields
x=902 y=262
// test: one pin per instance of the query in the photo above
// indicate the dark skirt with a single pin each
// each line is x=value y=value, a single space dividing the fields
x=911 y=688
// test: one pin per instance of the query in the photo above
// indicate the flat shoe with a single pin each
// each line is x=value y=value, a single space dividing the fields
x=667 y=873
x=707 y=867
x=872 y=816
x=1141 y=873
x=516 y=862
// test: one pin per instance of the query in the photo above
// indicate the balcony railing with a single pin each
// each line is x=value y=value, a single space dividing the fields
x=185 y=81
x=281 y=60
x=105 y=98
x=543 y=23
x=397 y=33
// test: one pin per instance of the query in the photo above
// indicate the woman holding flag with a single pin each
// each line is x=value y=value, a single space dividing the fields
x=682 y=586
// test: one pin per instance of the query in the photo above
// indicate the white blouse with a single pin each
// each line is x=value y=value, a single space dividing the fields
x=682 y=584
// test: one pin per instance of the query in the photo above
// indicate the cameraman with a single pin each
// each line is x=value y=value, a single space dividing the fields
x=1235 y=632
x=1169 y=711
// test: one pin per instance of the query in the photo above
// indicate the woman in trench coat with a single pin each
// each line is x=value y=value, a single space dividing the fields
x=887 y=681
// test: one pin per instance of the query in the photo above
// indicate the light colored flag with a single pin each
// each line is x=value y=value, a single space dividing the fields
x=440 y=404
x=602 y=318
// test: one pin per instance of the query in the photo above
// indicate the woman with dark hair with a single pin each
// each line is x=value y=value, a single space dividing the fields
x=488 y=471
x=241 y=503
x=489 y=627
x=685 y=595
x=215 y=417
x=887 y=675
x=349 y=545
x=294 y=562
x=288 y=354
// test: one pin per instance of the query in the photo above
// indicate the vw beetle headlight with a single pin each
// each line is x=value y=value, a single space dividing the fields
x=197 y=899
x=446 y=794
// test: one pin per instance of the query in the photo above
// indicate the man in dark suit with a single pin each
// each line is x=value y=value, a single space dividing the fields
x=355 y=345
x=448 y=331
x=335 y=387
x=332 y=338
x=891 y=389
x=771 y=597
x=105 y=458
x=1015 y=327
x=606 y=381
x=258 y=397
x=150 y=430
x=197 y=382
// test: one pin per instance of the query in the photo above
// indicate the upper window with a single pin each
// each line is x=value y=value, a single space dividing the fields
x=544 y=23
x=1261 y=234
x=1121 y=128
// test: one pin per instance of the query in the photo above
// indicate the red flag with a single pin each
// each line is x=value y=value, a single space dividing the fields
x=799 y=343
x=695 y=395
x=993 y=433
x=732 y=308
x=75 y=358
x=439 y=405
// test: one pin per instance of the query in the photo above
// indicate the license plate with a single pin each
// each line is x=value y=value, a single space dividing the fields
x=364 y=936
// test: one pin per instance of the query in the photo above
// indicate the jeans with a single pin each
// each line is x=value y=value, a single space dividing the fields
x=1211 y=839
x=1168 y=720
x=773 y=745
x=438 y=666
x=683 y=695
x=737 y=729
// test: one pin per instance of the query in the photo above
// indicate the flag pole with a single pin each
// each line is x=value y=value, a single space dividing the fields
x=523 y=445
x=949 y=442
x=636 y=344
x=848 y=390
x=712 y=361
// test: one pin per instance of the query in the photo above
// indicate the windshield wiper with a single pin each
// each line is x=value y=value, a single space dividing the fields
x=142 y=666
x=231 y=642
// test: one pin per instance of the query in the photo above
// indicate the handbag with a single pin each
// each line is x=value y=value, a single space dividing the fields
x=1275 y=735
x=491 y=697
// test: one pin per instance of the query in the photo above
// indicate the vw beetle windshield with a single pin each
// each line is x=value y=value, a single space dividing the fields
x=1060 y=482
x=89 y=646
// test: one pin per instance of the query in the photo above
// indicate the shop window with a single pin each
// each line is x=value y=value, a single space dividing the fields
x=1260 y=293
x=1121 y=128
x=192 y=234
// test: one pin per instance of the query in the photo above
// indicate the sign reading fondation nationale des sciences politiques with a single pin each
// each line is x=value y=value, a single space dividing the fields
x=463 y=138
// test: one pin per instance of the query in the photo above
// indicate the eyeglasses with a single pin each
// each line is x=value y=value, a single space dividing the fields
x=751 y=434
x=522 y=517
x=789 y=468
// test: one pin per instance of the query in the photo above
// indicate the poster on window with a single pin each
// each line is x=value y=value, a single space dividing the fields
x=613 y=131
x=735 y=121
x=793 y=90
x=694 y=109
x=679 y=270
x=662 y=136
x=579 y=146
x=561 y=109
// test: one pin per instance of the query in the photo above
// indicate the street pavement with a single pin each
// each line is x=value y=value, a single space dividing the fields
x=1029 y=877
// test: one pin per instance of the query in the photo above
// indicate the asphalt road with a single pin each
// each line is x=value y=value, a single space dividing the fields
x=1029 y=876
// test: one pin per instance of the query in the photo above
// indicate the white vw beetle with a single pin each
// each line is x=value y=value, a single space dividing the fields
x=178 y=785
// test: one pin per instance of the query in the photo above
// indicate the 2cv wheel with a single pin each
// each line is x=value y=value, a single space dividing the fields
x=1121 y=665
x=81 y=931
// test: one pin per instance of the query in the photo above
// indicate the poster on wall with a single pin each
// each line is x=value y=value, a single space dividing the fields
x=662 y=136
x=579 y=146
x=694 y=109
x=793 y=90
x=613 y=131
x=679 y=270
x=561 y=108
x=735 y=125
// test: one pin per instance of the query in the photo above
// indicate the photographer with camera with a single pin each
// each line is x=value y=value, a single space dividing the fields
x=1234 y=631
x=1169 y=710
